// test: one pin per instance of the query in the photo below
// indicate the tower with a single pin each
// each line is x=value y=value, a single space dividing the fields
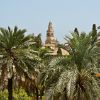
x=50 y=40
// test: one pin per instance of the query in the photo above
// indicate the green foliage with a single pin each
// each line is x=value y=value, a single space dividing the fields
x=19 y=94
x=17 y=56
x=38 y=41
x=70 y=78
x=64 y=78
x=94 y=33
x=4 y=95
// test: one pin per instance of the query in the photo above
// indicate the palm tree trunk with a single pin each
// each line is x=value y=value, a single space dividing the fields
x=37 y=94
x=10 y=91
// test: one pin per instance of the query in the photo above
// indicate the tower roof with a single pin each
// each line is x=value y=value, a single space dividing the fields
x=50 y=23
x=50 y=28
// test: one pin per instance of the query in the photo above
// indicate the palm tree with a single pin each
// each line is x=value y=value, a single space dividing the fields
x=73 y=77
x=43 y=53
x=36 y=85
x=15 y=55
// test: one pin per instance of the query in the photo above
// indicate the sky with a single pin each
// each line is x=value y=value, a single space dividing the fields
x=65 y=15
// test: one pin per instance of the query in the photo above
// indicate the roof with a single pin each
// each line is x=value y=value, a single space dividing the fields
x=63 y=51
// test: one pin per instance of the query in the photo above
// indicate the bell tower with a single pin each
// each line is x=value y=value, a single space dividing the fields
x=50 y=40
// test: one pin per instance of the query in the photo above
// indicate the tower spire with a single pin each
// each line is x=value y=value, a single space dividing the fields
x=50 y=26
x=50 y=31
x=50 y=40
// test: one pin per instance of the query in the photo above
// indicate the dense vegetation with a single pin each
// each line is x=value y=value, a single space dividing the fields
x=28 y=72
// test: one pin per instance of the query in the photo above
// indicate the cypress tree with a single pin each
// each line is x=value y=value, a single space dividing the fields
x=76 y=31
x=94 y=33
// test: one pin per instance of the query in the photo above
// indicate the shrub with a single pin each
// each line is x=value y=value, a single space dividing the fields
x=18 y=94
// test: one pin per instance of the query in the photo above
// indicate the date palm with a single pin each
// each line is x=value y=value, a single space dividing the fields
x=15 y=55
x=73 y=77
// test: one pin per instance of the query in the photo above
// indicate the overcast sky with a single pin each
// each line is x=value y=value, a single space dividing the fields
x=34 y=15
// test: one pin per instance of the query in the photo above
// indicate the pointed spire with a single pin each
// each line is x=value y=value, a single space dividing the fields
x=50 y=28
x=50 y=23
x=50 y=40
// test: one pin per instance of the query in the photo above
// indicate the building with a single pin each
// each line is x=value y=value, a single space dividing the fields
x=50 y=39
x=51 y=42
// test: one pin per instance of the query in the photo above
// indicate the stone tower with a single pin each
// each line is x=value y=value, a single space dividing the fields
x=50 y=40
